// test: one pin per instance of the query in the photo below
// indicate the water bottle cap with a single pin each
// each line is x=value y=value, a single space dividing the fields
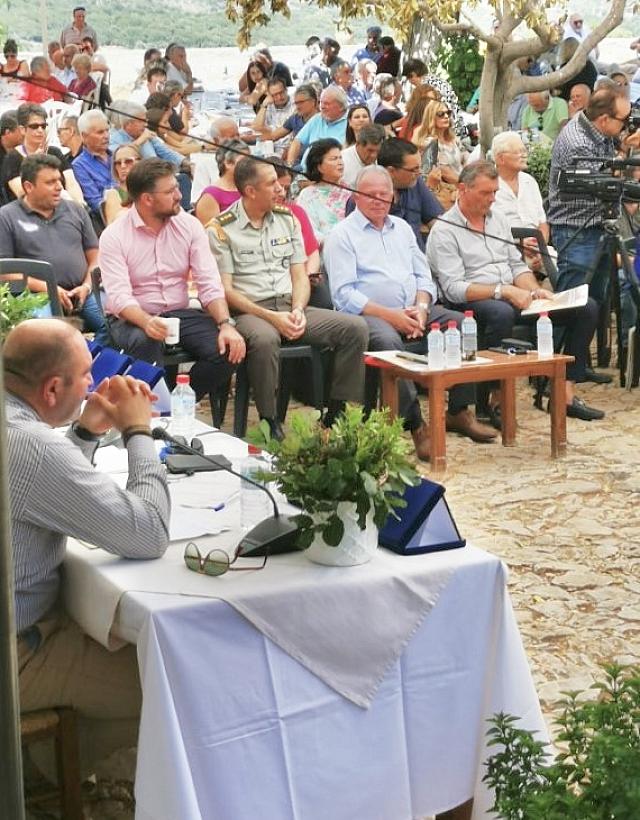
x=183 y=378
x=451 y=324
x=435 y=326
x=469 y=314
x=253 y=450
x=544 y=315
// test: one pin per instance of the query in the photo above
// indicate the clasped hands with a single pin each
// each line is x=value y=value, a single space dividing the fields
x=120 y=402
x=290 y=325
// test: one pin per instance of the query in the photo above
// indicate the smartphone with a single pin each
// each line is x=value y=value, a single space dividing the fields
x=193 y=464
x=420 y=358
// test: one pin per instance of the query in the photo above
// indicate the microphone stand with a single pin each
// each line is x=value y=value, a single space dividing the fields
x=274 y=535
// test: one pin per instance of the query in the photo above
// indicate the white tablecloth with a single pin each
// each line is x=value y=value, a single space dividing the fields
x=234 y=728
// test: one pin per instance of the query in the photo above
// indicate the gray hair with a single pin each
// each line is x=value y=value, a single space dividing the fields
x=371 y=135
x=172 y=87
x=474 y=170
x=38 y=63
x=338 y=95
x=336 y=66
x=131 y=110
x=217 y=122
x=544 y=94
x=89 y=119
x=229 y=150
x=370 y=170
x=502 y=141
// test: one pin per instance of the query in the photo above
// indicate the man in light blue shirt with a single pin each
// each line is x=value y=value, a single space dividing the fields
x=133 y=129
x=377 y=270
x=331 y=122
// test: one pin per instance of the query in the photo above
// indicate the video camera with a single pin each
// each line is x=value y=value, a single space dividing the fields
x=601 y=184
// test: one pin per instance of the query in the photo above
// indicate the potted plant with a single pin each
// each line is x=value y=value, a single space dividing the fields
x=347 y=479
x=14 y=309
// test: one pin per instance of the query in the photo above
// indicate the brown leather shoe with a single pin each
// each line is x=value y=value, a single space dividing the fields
x=466 y=424
x=420 y=438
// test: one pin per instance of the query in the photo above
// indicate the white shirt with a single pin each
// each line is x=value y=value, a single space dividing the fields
x=352 y=166
x=524 y=210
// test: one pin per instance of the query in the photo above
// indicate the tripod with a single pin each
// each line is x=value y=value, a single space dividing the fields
x=629 y=357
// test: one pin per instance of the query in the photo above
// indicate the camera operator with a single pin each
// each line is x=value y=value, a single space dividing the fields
x=593 y=132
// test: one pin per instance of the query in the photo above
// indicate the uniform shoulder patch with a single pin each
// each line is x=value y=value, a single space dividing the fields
x=226 y=218
x=282 y=209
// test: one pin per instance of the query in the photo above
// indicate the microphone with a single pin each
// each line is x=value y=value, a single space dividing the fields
x=274 y=535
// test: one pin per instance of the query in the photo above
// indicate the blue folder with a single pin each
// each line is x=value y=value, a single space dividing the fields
x=424 y=525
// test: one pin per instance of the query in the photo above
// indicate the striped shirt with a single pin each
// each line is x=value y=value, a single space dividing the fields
x=55 y=492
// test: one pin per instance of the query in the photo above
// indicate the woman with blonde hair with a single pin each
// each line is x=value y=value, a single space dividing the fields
x=116 y=200
x=436 y=139
x=420 y=97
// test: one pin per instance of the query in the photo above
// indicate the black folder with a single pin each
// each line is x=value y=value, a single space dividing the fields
x=424 y=525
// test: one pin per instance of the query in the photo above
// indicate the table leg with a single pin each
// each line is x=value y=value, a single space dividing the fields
x=508 y=411
x=558 y=408
x=437 y=433
x=461 y=812
x=389 y=390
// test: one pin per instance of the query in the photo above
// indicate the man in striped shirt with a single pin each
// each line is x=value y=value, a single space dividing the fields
x=55 y=492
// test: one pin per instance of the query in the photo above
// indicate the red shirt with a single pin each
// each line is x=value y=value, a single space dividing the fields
x=39 y=91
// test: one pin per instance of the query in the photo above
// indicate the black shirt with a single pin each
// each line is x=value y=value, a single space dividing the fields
x=11 y=169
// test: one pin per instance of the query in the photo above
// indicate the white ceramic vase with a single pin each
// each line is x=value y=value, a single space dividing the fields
x=357 y=546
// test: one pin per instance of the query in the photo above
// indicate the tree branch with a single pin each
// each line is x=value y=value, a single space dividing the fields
x=467 y=28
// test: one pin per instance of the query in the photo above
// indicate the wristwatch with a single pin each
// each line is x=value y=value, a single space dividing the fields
x=84 y=434
x=497 y=293
x=228 y=321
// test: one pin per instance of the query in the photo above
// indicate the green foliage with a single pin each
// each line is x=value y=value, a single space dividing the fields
x=539 y=164
x=459 y=55
x=364 y=461
x=14 y=309
x=595 y=777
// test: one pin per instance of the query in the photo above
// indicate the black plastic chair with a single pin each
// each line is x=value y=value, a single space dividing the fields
x=25 y=268
x=288 y=353
x=171 y=359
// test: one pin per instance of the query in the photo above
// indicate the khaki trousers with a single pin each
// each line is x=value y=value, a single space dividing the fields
x=346 y=335
x=69 y=668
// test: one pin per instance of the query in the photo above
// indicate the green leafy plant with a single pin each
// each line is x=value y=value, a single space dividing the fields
x=14 y=309
x=459 y=55
x=358 y=459
x=596 y=776
x=539 y=164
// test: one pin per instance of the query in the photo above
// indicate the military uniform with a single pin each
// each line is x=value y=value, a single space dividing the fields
x=259 y=261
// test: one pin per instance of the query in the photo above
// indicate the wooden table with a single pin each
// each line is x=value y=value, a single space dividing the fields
x=504 y=369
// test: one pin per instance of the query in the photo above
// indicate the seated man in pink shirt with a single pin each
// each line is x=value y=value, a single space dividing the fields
x=146 y=258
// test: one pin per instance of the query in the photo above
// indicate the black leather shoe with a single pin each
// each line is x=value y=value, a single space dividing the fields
x=590 y=375
x=276 y=429
x=579 y=410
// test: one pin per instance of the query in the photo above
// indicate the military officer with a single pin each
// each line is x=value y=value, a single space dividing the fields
x=258 y=247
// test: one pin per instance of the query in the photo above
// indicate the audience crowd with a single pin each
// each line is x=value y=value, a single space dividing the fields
x=368 y=221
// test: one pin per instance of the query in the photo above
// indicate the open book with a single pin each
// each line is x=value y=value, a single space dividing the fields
x=565 y=299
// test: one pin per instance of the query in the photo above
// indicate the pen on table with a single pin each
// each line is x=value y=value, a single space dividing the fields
x=215 y=507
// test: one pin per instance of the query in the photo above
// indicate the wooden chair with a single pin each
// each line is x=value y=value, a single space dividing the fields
x=59 y=725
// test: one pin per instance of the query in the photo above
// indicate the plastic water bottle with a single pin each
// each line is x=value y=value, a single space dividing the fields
x=254 y=502
x=452 y=352
x=183 y=407
x=544 y=332
x=435 y=347
x=469 y=337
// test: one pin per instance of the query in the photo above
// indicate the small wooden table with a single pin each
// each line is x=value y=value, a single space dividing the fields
x=503 y=368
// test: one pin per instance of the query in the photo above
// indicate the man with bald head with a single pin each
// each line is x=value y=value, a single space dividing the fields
x=55 y=492
x=545 y=114
x=377 y=270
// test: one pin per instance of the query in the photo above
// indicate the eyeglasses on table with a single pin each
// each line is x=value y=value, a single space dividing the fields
x=215 y=562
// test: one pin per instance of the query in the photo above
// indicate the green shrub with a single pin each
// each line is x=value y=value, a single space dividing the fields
x=595 y=777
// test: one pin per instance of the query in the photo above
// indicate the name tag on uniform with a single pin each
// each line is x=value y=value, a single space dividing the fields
x=281 y=240
x=246 y=253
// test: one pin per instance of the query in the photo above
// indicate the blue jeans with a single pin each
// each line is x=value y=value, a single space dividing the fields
x=579 y=257
x=94 y=320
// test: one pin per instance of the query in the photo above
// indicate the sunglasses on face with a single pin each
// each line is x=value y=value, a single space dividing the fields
x=215 y=562
x=35 y=126
x=444 y=113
